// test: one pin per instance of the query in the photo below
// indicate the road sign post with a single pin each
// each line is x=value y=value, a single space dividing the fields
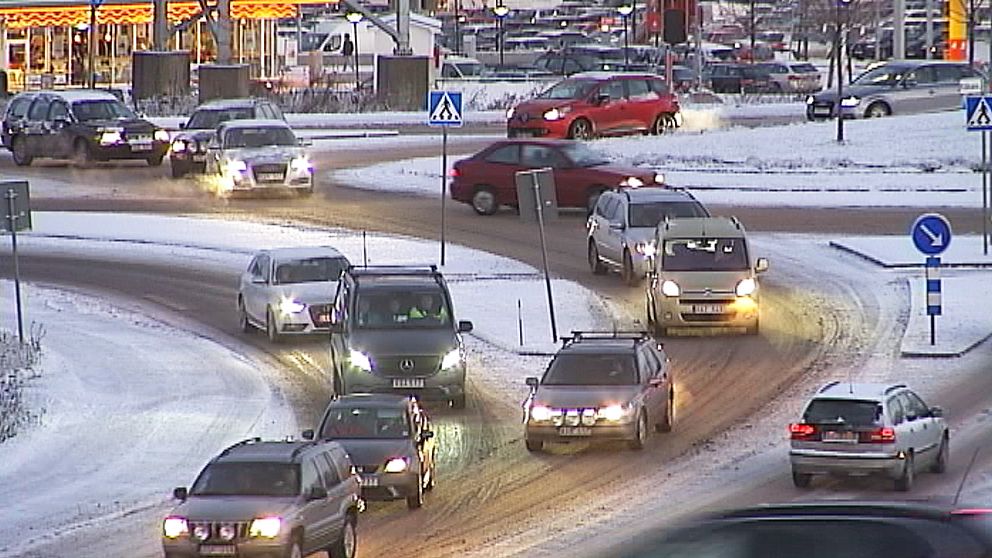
x=18 y=218
x=542 y=183
x=931 y=233
x=444 y=109
x=978 y=113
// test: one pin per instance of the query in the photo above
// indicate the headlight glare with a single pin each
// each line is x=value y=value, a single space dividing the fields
x=613 y=413
x=659 y=178
x=265 y=527
x=670 y=288
x=646 y=249
x=300 y=165
x=452 y=359
x=540 y=413
x=850 y=102
x=179 y=146
x=360 y=360
x=396 y=465
x=510 y=112
x=290 y=306
x=161 y=135
x=554 y=114
x=110 y=137
x=810 y=100
x=174 y=527
x=745 y=287
x=632 y=182
x=236 y=167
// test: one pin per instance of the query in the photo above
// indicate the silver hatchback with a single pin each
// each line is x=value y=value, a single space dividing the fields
x=868 y=429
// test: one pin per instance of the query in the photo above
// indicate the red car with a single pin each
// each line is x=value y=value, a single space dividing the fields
x=594 y=104
x=486 y=180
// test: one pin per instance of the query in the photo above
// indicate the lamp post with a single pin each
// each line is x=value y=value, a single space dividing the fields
x=625 y=11
x=838 y=57
x=500 y=11
x=91 y=54
x=355 y=18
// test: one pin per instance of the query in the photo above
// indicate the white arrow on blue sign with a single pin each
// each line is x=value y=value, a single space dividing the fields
x=931 y=233
x=444 y=108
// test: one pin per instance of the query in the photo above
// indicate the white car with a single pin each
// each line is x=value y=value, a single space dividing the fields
x=255 y=155
x=290 y=291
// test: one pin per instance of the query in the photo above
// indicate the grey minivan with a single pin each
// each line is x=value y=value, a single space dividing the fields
x=896 y=87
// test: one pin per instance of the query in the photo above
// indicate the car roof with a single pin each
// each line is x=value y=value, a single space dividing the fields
x=864 y=391
x=702 y=227
x=648 y=194
x=371 y=400
x=254 y=123
x=256 y=450
x=600 y=346
x=220 y=104
x=390 y=282
x=74 y=95
x=864 y=508
x=550 y=142
x=300 y=252
x=604 y=76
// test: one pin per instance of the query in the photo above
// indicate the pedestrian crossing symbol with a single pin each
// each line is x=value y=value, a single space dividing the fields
x=444 y=108
x=979 y=111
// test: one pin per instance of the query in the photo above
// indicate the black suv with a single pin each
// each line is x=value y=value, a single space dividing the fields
x=266 y=499
x=83 y=125
x=393 y=331
x=189 y=147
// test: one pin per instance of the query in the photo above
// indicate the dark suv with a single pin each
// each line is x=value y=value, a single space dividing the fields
x=393 y=331
x=268 y=499
x=84 y=126
x=189 y=147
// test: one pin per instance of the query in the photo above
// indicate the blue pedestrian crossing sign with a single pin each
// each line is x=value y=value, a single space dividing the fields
x=979 y=113
x=444 y=108
x=931 y=233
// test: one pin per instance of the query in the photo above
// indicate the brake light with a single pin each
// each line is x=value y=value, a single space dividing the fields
x=801 y=431
x=795 y=78
x=972 y=511
x=884 y=435
x=454 y=172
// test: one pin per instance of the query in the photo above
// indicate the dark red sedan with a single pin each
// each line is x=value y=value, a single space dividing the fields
x=486 y=180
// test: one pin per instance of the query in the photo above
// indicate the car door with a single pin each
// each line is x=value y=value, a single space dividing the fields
x=642 y=104
x=653 y=399
x=257 y=297
x=599 y=222
x=615 y=226
x=928 y=433
x=568 y=187
x=947 y=86
x=59 y=119
x=36 y=128
x=609 y=113
x=338 y=494
x=498 y=170
x=340 y=315
x=905 y=438
x=916 y=93
x=314 y=510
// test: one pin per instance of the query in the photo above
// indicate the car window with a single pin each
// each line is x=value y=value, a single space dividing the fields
x=102 y=110
x=803 y=68
x=584 y=369
x=570 y=66
x=569 y=89
x=913 y=406
x=710 y=254
x=210 y=119
x=507 y=155
x=58 y=111
x=602 y=203
x=328 y=471
x=921 y=75
x=896 y=411
x=351 y=421
x=843 y=411
x=241 y=478
x=266 y=111
x=263 y=268
x=948 y=73
x=19 y=108
x=659 y=86
x=341 y=303
x=276 y=112
x=830 y=538
x=309 y=270
x=639 y=89
x=262 y=136
x=581 y=155
x=540 y=156
x=651 y=213
x=309 y=477
x=424 y=308
x=39 y=110
x=614 y=89
x=654 y=364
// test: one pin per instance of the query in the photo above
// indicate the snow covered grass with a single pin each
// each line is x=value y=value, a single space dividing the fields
x=18 y=367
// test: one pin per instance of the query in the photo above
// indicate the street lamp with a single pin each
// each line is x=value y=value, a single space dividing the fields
x=500 y=11
x=91 y=54
x=838 y=51
x=355 y=18
x=625 y=11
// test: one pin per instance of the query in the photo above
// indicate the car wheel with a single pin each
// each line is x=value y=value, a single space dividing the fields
x=801 y=480
x=416 y=500
x=484 y=201
x=878 y=110
x=155 y=160
x=81 y=156
x=271 y=328
x=662 y=124
x=595 y=264
x=940 y=463
x=669 y=420
x=458 y=402
x=534 y=446
x=627 y=271
x=905 y=482
x=346 y=545
x=580 y=129
x=294 y=551
x=178 y=169
x=640 y=432
x=19 y=149
x=243 y=321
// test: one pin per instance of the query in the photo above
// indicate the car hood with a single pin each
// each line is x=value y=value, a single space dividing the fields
x=584 y=396
x=537 y=107
x=368 y=453
x=270 y=154
x=857 y=91
x=317 y=292
x=203 y=136
x=232 y=508
x=399 y=342
x=613 y=174
x=700 y=281
x=127 y=124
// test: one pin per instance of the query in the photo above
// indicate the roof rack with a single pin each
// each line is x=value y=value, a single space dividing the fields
x=893 y=387
x=244 y=442
x=637 y=335
x=828 y=386
x=303 y=446
x=393 y=269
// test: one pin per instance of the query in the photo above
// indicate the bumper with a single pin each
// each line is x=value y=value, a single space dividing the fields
x=443 y=386
x=675 y=312
x=839 y=463
x=549 y=433
x=537 y=128
x=389 y=486
x=247 y=549
x=193 y=162
x=124 y=151
x=826 y=111
x=247 y=184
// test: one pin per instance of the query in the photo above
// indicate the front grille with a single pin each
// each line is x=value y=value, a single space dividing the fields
x=422 y=365
x=688 y=309
x=269 y=172
x=138 y=137
x=574 y=417
x=315 y=314
x=213 y=531
x=822 y=108
x=366 y=469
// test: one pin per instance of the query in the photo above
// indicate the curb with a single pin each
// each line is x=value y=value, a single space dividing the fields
x=945 y=354
x=887 y=265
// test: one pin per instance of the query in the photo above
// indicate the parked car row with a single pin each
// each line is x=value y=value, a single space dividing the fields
x=768 y=77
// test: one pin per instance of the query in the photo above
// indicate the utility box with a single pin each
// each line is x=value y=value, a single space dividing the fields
x=402 y=81
x=160 y=74
x=223 y=81
x=527 y=195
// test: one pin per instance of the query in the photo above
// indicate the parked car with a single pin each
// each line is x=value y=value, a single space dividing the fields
x=901 y=87
x=601 y=386
x=289 y=291
x=189 y=146
x=284 y=499
x=390 y=440
x=737 y=78
x=597 y=104
x=792 y=77
x=81 y=125
x=250 y=156
x=580 y=58
x=461 y=67
x=620 y=231
x=868 y=429
x=486 y=180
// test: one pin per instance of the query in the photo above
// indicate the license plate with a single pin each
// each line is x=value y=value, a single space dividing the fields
x=821 y=112
x=833 y=436
x=707 y=309
x=370 y=481
x=135 y=146
x=575 y=431
x=408 y=383
x=199 y=158
x=323 y=317
x=270 y=176
x=218 y=550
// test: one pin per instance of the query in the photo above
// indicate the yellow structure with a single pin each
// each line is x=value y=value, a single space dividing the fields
x=957 y=31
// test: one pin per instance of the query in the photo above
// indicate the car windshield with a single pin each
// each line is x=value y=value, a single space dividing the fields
x=101 y=110
x=258 y=137
x=470 y=69
x=584 y=369
x=650 y=214
x=583 y=156
x=248 y=479
x=309 y=270
x=365 y=422
x=883 y=75
x=847 y=411
x=407 y=309
x=569 y=89
x=704 y=254
x=210 y=119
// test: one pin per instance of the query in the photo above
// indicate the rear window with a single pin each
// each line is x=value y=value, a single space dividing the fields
x=650 y=214
x=591 y=370
x=846 y=411
x=803 y=68
x=210 y=119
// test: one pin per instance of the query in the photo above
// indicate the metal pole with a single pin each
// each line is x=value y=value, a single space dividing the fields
x=358 y=80
x=933 y=333
x=12 y=224
x=752 y=30
x=929 y=29
x=365 y=250
x=699 y=46
x=458 y=30
x=520 y=321
x=633 y=19
x=626 y=44
x=444 y=183
x=985 y=194
x=544 y=254
x=878 y=30
x=91 y=55
x=840 y=78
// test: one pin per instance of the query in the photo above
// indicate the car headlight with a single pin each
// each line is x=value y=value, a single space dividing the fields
x=510 y=112
x=161 y=135
x=290 y=306
x=746 y=287
x=227 y=532
x=236 y=167
x=265 y=527
x=179 y=146
x=556 y=113
x=810 y=100
x=632 y=182
x=201 y=532
x=540 y=413
x=613 y=413
x=850 y=102
x=646 y=249
x=670 y=288
x=452 y=359
x=300 y=165
x=360 y=360
x=110 y=137
x=174 y=527
x=396 y=465
x=659 y=178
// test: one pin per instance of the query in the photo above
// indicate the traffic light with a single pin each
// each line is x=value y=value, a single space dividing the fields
x=674 y=29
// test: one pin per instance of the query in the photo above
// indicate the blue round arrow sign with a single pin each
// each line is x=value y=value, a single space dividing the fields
x=931 y=233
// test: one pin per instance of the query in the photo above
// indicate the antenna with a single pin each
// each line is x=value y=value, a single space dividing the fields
x=964 y=478
x=850 y=382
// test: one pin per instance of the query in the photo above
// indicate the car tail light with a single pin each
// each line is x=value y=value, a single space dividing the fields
x=454 y=172
x=795 y=78
x=972 y=511
x=883 y=435
x=801 y=431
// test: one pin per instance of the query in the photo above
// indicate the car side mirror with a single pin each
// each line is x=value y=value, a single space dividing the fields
x=317 y=493
x=180 y=493
x=182 y=125
x=258 y=280
x=617 y=226
x=426 y=435
x=465 y=326
x=304 y=142
x=656 y=382
x=532 y=382
x=936 y=412
x=337 y=327
x=307 y=434
x=602 y=98
x=907 y=83
x=761 y=265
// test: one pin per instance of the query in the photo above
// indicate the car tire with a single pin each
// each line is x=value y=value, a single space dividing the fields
x=534 y=446
x=878 y=109
x=801 y=480
x=663 y=124
x=271 y=330
x=640 y=432
x=155 y=160
x=595 y=264
x=178 y=169
x=81 y=156
x=940 y=462
x=627 y=270
x=19 y=150
x=416 y=500
x=580 y=129
x=243 y=322
x=484 y=200
x=347 y=543
x=458 y=402
x=905 y=481
x=668 y=422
